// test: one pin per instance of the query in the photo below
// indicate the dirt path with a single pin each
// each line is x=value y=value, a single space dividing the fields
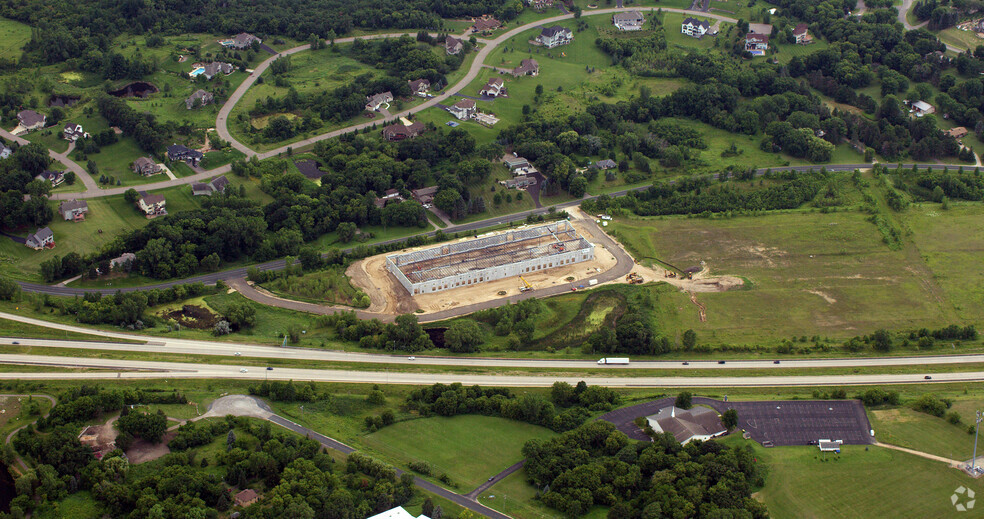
x=17 y=457
x=701 y=310
x=952 y=463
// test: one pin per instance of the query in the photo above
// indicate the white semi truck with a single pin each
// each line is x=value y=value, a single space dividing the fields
x=614 y=360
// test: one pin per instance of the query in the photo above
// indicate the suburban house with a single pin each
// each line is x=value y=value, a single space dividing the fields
x=539 y=5
x=397 y=513
x=463 y=109
x=73 y=210
x=55 y=177
x=922 y=108
x=124 y=262
x=42 y=238
x=242 y=40
x=555 y=36
x=31 y=120
x=527 y=67
x=182 y=152
x=216 y=67
x=419 y=87
x=216 y=185
x=604 y=164
x=198 y=99
x=494 y=88
x=391 y=195
x=5 y=151
x=246 y=497
x=697 y=423
x=518 y=182
x=74 y=132
x=756 y=43
x=802 y=34
x=374 y=101
x=628 y=21
x=453 y=45
x=151 y=205
x=400 y=131
x=424 y=195
x=486 y=24
x=957 y=133
x=694 y=27
x=146 y=166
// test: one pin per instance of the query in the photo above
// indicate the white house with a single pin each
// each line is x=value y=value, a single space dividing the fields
x=694 y=27
x=373 y=102
x=494 y=88
x=40 y=239
x=74 y=132
x=463 y=109
x=397 y=513
x=555 y=36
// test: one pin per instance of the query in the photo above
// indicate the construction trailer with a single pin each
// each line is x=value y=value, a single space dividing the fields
x=487 y=258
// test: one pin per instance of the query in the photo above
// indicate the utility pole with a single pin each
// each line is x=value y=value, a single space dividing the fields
x=977 y=430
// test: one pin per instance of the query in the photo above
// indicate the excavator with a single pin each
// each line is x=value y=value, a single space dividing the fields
x=526 y=285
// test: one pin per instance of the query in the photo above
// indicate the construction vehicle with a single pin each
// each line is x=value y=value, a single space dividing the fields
x=526 y=285
x=670 y=274
x=634 y=279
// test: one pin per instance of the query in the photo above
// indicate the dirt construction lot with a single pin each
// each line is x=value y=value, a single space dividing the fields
x=389 y=296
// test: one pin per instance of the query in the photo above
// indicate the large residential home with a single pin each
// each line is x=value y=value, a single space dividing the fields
x=628 y=21
x=246 y=497
x=74 y=132
x=486 y=24
x=374 y=101
x=756 y=43
x=802 y=34
x=463 y=109
x=198 y=99
x=957 y=133
x=216 y=185
x=604 y=164
x=518 y=182
x=42 y=238
x=555 y=36
x=216 y=67
x=55 y=177
x=399 y=131
x=695 y=28
x=242 y=40
x=527 y=67
x=419 y=87
x=5 y=151
x=453 y=45
x=73 y=210
x=31 y=120
x=494 y=88
x=146 y=166
x=425 y=195
x=182 y=152
x=539 y=5
x=124 y=262
x=152 y=206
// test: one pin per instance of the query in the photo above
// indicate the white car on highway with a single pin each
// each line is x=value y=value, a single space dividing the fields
x=244 y=370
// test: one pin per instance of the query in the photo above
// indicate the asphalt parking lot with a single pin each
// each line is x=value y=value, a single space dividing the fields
x=786 y=422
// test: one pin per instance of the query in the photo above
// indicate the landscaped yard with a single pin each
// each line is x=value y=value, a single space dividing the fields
x=468 y=448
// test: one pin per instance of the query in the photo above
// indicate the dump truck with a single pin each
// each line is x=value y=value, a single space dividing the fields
x=614 y=360
x=634 y=279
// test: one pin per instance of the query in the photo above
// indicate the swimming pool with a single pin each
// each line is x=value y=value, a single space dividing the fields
x=197 y=71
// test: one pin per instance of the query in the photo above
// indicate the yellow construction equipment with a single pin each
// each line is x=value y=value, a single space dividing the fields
x=634 y=279
x=526 y=285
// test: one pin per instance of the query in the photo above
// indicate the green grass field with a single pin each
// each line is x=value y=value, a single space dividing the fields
x=13 y=37
x=915 y=430
x=830 y=273
x=467 y=448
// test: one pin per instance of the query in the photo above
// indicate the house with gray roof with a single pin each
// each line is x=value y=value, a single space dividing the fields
x=198 y=99
x=453 y=45
x=695 y=28
x=31 y=120
x=697 y=423
x=73 y=210
x=527 y=67
x=55 y=177
x=217 y=67
x=374 y=101
x=628 y=21
x=146 y=166
x=242 y=40
x=555 y=36
x=42 y=238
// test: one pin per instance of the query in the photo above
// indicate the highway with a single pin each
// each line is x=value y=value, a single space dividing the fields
x=142 y=369
x=252 y=351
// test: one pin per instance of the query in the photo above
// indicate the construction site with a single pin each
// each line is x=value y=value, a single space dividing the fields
x=487 y=258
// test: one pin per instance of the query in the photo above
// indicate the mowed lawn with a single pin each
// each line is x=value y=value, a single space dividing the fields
x=13 y=37
x=829 y=273
x=468 y=448
x=878 y=482
x=951 y=242
x=909 y=428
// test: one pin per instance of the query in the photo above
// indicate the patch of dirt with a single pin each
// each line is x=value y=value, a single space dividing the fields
x=825 y=297
x=701 y=309
x=893 y=415
x=142 y=451
x=192 y=316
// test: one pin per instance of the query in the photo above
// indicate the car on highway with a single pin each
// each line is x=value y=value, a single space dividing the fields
x=775 y=362
x=244 y=370
x=411 y=358
x=927 y=377
x=15 y=342
x=269 y=368
x=685 y=363
x=238 y=354
x=720 y=362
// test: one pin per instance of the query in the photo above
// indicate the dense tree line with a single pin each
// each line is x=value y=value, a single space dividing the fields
x=124 y=308
x=17 y=180
x=598 y=465
x=150 y=134
x=287 y=391
x=85 y=403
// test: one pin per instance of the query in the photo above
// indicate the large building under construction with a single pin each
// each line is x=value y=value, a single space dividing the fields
x=487 y=258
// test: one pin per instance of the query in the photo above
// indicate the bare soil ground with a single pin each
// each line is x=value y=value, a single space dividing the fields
x=142 y=451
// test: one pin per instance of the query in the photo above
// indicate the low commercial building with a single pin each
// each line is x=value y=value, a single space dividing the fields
x=488 y=258
x=697 y=423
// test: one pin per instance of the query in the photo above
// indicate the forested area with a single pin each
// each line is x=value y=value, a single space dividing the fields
x=597 y=464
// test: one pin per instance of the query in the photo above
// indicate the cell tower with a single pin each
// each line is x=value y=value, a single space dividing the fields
x=977 y=430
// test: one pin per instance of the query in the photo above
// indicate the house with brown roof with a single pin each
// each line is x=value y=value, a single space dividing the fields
x=374 y=101
x=486 y=24
x=756 y=43
x=494 y=88
x=419 y=87
x=399 y=131
x=31 y=120
x=73 y=210
x=453 y=45
x=957 y=133
x=152 y=206
x=246 y=497
x=146 y=166
x=424 y=195
x=697 y=423
x=463 y=109
x=199 y=99
x=527 y=67
x=802 y=34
